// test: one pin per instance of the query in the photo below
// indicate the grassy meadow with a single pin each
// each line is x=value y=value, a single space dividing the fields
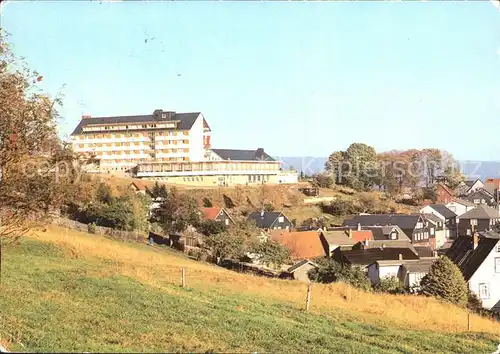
x=64 y=290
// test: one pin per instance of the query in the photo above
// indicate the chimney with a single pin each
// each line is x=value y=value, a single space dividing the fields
x=350 y=233
x=86 y=116
x=400 y=257
x=359 y=226
x=434 y=254
x=475 y=240
x=262 y=213
x=366 y=243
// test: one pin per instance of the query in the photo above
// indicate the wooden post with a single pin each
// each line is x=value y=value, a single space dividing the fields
x=308 y=297
x=468 y=321
x=183 y=277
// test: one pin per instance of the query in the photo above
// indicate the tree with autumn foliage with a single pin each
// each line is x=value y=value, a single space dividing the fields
x=35 y=167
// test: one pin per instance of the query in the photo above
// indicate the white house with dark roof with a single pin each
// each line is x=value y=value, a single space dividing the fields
x=448 y=217
x=460 y=206
x=478 y=258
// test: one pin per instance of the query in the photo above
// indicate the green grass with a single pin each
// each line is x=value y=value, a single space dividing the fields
x=53 y=302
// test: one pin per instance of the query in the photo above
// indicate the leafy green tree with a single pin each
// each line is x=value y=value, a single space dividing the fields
x=330 y=271
x=272 y=253
x=226 y=245
x=103 y=193
x=158 y=191
x=323 y=180
x=176 y=212
x=211 y=227
x=445 y=281
x=453 y=176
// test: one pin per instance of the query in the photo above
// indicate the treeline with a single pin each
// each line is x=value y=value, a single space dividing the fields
x=360 y=167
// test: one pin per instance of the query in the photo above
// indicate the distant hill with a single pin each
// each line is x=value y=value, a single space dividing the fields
x=472 y=169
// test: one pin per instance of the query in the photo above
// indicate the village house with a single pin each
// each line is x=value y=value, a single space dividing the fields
x=413 y=225
x=138 y=187
x=342 y=239
x=270 y=220
x=467 y=187
x=448 y=217
x=365 y=257
x=217 y=214
x=478 y=258
x=443 y=194
x=300 y=270
x=411 y=272
x=482 y=218
x=439 y=228
x=302 y=245
x=460 y=206
x=481 y=197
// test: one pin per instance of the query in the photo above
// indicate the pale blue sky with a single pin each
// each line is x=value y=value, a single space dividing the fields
x=298 y=79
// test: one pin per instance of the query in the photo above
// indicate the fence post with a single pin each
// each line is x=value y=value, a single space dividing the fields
x=183 y=277
x=468 y=321
x=308 y=297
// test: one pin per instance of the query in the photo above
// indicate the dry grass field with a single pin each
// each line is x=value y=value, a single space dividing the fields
x=66 y=290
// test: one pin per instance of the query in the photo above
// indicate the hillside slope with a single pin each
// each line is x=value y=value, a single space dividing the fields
x=68 y=291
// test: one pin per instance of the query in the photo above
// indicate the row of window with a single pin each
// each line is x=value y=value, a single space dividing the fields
x=131 y=135
x=133 y=143
x=135 y=161
x=139 y=152
x=257 y=178
x=193 y=179
x=419 y=236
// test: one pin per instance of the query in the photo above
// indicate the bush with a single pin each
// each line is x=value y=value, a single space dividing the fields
x=390 y=285
x=445 y=281
x=330 y=271
x=340 y=207
x=211 y=227
x=323 y=180
x=91 y=228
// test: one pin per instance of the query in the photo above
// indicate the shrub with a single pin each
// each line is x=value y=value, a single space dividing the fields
x=268 y=207
x=330 y=271
x=445 y=281
x=91 y=228
x=323 y=180
x=211 y=227
x=391 y=285
x=207 y=203
x=272 y=253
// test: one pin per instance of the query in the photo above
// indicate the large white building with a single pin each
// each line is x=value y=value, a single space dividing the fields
x=174 y=147
x=121 y=143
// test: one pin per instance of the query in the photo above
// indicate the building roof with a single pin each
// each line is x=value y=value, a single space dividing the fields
x=300 y=264
x=338 y=237
x=462 y=202
x=490 y=187
x=382 y=233
x=481 y=212
x=404 y=221
x=445 y=188
x=186 y=120
x=480 y=192
x=468 y=259
x=418 y=266
x=432 y=218
x=370 y=255
x=243 y=155
x=306 y=244
x=443 y=210
x=211 y=213
x=424 y=251
x=401 y=243
x=264 y=219
x=357 y=235
x=470 y=182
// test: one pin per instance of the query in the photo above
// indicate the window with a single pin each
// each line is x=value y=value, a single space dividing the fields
x=498 y=247
x=484 y=290
x=473 y=222
x=497 y=265
x=432 y=231
x=483 y=201
x=281 y=219
x=394 y=235
x=477 y=201
x=419 y=225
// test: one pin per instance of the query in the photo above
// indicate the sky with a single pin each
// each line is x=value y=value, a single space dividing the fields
x=295 y=78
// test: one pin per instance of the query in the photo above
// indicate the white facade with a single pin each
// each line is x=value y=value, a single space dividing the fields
x=485 y=282
x=459 y=208
x=378 y=271
x=196 y=142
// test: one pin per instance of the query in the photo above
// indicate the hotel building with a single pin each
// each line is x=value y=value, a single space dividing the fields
x=174 y=147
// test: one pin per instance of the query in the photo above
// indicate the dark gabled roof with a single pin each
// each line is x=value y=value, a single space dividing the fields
x=264 y=219
x=462 y=202
x=481 y=212
x=443 y=210
x=432 y=218
x=468 y=259
x=481 y=192
x=404 y=221
x=368 y=256
x=300 y=264
x=471 y=182
x=424 y=251
x=402 y=243
x=243 y=155
x=382 y=233
x=186 y=120
x=419 y=266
